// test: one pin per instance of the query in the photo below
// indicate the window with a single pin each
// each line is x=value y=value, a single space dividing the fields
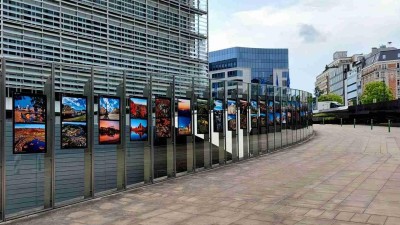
x=384 y=57
x=384 y=66
x=398 y=65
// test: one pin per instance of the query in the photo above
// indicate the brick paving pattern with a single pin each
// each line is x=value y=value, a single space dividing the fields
x=342 y=176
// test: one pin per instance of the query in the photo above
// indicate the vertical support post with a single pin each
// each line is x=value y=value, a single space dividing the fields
x=2 y=140
x=354 y=122
x=323 y=120
x=222 y=141
x=207 y=137
x=121 y=148
x=372 y=124
x=171 y=148
x=149 y=147
x=341 y=122
x=49 y=165
x=389 y=125
x=88 y=154
x=190 y=162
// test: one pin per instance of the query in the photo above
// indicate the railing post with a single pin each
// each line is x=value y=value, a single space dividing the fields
x=354 y=122
x=389 y=126
x=372 y=124
x=323 y=121
x=341 y=122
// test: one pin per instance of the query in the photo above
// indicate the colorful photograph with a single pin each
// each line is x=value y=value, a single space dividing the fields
x=254 y=113
x=218 y=105
x=263 y=120
x=218 y=121
x=138 y=130
x=184 y=117
x=163 y=127
x=109 y=108
x=73 y=109
x=284 y=118
x=138 y=108
x=202 y=106
x=243 y=121
x=109 y=132
x=29 y=138
x=73 y=135
x=163 y=107
x=232 y=115
x=253 y=118
x=278 y=118
x=270 y=119
x=254 y=107
x=243 y=106
x=270 y=107
x=29 y=108
x=263 y=107
x=202 y=124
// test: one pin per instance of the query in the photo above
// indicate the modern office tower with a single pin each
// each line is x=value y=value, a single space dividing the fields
x=142 y=36
x=260 y=61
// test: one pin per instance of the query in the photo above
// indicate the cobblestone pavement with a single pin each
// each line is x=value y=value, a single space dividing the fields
x=342 y=176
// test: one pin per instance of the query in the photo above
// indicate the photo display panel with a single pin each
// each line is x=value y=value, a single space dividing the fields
x=202 y=116
x=253 y=113
x=184 y=117
x=138 y=119
x=232 y=108
x=109 y=120
x=284 y=112
x=263 y=113
x=289 y=113
x=277 y=112
x=163 y=117
x=29 y=121
x=243 y=104
x=73 y=121
x=271 y=113
x=218 y=115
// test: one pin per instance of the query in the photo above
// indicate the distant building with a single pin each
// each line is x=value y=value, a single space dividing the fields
x=236 y=79
x=260 y=61
x=323 y=82
x=383 y=64
x=353 y=81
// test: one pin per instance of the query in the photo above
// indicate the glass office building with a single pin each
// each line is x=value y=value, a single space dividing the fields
x=166 y=37
x=262 y=61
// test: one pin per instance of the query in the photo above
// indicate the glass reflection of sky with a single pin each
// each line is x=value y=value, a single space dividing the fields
x=218 y=104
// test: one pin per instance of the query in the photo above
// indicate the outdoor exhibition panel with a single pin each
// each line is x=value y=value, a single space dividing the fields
x=69 y=139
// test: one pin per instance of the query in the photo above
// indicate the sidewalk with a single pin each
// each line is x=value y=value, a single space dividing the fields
x=342 y=176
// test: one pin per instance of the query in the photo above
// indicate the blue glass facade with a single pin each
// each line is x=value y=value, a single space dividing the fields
x=262 y=61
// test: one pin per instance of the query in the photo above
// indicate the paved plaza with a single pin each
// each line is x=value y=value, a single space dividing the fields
x=343 y=175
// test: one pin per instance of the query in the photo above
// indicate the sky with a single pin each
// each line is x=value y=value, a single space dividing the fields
x=312 y=30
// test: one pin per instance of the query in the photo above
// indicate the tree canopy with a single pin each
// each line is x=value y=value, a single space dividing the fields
x=376 y=90
x=331 y=97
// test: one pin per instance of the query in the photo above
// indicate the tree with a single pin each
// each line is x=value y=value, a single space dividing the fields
x=318 y=92
x=377 y=91
x=331 y=97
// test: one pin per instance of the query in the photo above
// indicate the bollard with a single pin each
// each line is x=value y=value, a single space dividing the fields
x=389 y=126
x=341 y=122
x=323 y=121
x=372 y=124
x=354 y=122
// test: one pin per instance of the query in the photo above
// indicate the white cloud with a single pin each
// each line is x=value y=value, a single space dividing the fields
x=312 y=30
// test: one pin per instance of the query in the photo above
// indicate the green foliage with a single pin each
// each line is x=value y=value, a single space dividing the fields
x=331 y=97
x=376 y=90
x=318 y=92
